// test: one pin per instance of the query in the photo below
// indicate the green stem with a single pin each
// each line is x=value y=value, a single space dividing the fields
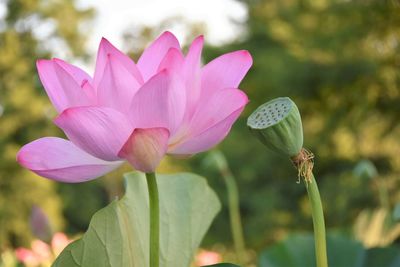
x=154 y=219
x=318 y=222
x=234 y=214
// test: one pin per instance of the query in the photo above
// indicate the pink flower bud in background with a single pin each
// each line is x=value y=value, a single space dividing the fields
x=27 y=257
x=206 y=257
x=41 y=250
x=42 y=254
x=40 y=224
x=59 y=242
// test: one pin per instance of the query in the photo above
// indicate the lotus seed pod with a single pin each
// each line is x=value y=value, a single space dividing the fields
x=277 y=124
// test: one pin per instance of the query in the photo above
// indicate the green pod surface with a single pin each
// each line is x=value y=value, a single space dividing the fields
x=277 y=124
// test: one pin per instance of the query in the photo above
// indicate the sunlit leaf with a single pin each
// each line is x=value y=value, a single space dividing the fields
x=118 y=235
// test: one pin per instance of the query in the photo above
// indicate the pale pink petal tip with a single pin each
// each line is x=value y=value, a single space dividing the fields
x=105 y=49
x=226 y=71
x=168 y=34
x=196 y=48
x=107 y=46
x=62 y=82
x=145 y=148
x=152 y=56
x=104 y=40
x=200 y=38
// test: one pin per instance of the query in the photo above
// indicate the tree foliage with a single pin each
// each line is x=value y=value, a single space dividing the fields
x=339 y=61
x=30 y=29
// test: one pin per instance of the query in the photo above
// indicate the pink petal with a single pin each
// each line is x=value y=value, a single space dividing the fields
x=150 y=60
x=61 y=86
x=99 y=131
x=211 y=123
x=220 y=105
x=117 y=86
x=145 y=148
x=79 y=75
x=173 y=61
x=194 y=54
x=192 y=73
x=208 y=139
x=90 y=92
x=159 y=103
x=226 y=71
x=61 y=160
x=106 y=49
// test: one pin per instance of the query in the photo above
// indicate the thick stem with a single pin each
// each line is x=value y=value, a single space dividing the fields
x=318 y=222
x=154 y=219
x=234 y=213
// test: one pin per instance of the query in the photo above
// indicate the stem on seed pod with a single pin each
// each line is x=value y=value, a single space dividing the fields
x=304 y=164
x=277 y=124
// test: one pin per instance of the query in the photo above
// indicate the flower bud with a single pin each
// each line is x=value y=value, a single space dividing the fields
x=365 y=169
x=277 y=124
x=40 y=224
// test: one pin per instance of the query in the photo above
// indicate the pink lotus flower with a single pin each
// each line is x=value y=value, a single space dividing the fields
x=166 y=103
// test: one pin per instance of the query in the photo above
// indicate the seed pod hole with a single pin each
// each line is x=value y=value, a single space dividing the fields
x=270 y=114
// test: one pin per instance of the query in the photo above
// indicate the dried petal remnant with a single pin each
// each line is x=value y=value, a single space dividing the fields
x=304 y=163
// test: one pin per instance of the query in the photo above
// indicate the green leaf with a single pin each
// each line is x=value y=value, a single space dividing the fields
x=385 y=257
x=222 y=265
x=298 y=251
x=118 y=234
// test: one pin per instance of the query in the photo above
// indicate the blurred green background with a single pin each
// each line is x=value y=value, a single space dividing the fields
x=338 y=60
